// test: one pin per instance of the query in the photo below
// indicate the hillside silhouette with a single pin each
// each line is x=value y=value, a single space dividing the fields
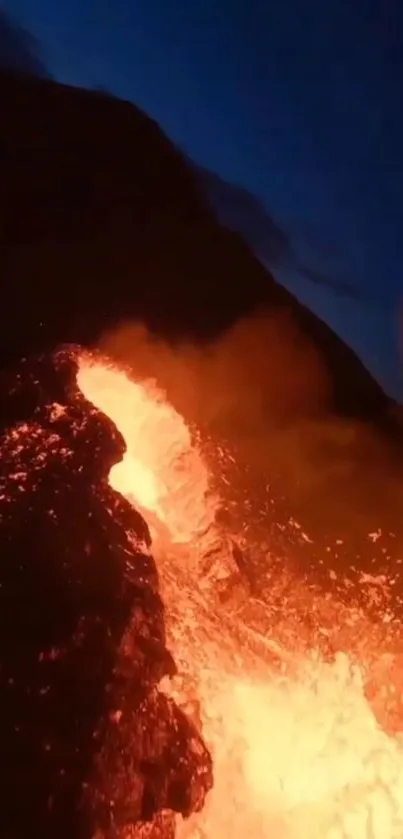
x=102 y=219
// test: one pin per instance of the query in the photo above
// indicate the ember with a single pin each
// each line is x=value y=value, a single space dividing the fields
x=298 y=750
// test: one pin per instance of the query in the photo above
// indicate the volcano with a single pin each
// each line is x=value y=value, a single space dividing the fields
x=103 y=219
x=190 y=646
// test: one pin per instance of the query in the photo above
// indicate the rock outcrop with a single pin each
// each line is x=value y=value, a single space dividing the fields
x=87 y=740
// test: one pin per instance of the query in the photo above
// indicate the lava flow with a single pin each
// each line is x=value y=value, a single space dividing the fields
x=162 y=471
x=298 y=750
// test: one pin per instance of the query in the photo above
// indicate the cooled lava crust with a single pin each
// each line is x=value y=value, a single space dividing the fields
x=88 y=743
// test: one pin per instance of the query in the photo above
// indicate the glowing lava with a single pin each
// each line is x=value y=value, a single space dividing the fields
x=299 y=758
x=298 y=751
x=162 y=471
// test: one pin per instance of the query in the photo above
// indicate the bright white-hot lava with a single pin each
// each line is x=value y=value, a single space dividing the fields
x=297 y=748
x=162 y=471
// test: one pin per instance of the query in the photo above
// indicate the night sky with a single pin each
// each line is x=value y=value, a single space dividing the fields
x=300 y=101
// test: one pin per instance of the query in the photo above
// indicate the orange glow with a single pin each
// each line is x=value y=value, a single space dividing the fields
x=162 y=471
x=297 y=748
x=299 y=758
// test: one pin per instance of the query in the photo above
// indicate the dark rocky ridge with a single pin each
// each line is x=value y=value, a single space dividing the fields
x=101 y=218
x=87 y=740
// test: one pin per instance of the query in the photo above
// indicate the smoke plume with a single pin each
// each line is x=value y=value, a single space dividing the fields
x=264 y=388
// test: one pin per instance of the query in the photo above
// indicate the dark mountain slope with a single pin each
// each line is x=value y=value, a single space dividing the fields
x=101 y=219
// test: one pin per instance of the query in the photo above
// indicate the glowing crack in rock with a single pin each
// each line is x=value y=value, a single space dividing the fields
x=298 y=751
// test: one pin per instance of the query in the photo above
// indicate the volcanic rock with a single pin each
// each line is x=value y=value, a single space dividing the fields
x=87 y=741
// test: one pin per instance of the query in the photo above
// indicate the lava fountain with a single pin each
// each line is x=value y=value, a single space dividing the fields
x=162 y=471
x=298 y=750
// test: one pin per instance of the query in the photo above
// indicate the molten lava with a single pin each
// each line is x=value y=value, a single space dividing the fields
x=162 y=471
x=298 y=750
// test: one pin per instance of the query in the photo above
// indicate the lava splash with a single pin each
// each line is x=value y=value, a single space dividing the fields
x=161 y=471
x=298 y=750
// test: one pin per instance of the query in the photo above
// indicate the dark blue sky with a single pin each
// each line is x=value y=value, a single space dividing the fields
x=298 y=100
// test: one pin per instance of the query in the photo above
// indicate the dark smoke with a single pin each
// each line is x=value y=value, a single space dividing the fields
x=19 y=49
x=240 y=210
